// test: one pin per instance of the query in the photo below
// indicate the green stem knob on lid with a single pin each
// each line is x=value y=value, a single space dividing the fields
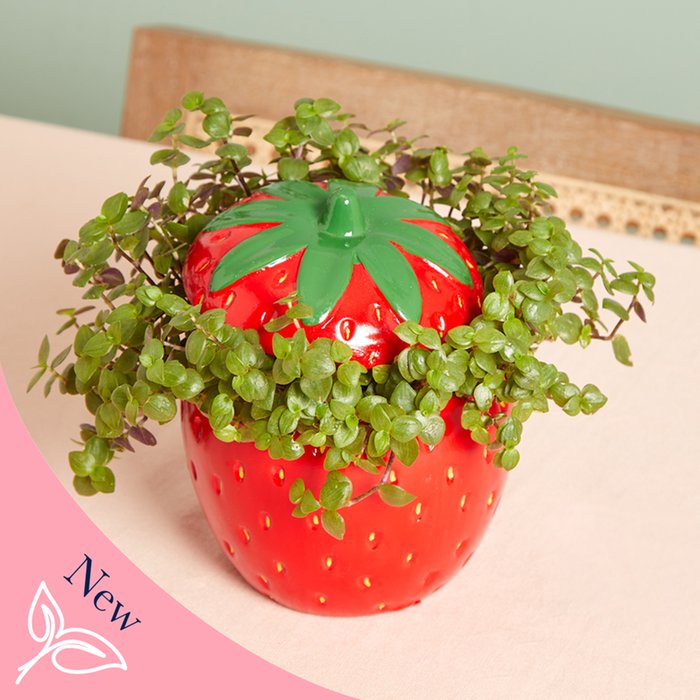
x=343 y=219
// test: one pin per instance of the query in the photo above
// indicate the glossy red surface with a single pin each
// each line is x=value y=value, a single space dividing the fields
x=390 y=557
x=362 y=318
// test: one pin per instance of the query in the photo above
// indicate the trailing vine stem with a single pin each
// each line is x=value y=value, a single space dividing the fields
x=384 y=479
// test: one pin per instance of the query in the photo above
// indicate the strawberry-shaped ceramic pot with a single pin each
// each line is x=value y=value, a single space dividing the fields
x=364 y=263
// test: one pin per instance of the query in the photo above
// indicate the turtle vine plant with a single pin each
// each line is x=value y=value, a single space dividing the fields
x=277 y=376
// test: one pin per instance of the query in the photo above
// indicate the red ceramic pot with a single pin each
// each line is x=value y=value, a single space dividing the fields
x=390 y=558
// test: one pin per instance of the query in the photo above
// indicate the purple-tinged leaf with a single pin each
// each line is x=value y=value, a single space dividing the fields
x=143 y=435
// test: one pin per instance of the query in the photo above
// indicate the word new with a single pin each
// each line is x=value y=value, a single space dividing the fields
x=102 y=597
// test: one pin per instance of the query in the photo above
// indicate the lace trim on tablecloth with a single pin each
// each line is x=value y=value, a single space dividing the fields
x=581 y=202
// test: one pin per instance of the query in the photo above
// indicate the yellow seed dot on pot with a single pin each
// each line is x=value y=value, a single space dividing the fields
x=450 y=475
x=315 y=520
x=322 y=599
x=372 y=536
x=244 y=535
x=392 y=476
x=409 y=557
x=366 y=582
x=486 y=452
x=419 y=510
x=241 y=473
x=381 y=606
x=489 y=500
x=279 y=566
x=463 y=501
x=329 y=563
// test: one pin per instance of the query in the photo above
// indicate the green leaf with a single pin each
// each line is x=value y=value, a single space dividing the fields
x=98 y=449
x=433 y=430
x=394 y=495
x=496 y=307
x=192 y=100
x=199 y=350
x=108 y=421
x=102 y=479
x=308 y=503
x=333 y=523
x=405 y=428
x=509 y=458
x=361 y=168
x=44 y=349
x=379 y=443
x=115 y=207
x=293 y=169
x=172 y=304
x=568 y=327
x=430 y=338
x=346 y=143
x=317 y=364
x=221 y=411
x=483 y=397
x=178 y=198
x=489 y=340
x=367 y=466
x=296 y=491
x=316 y=389
x=83 y=486
x=160 y=407
x=461 y=336
x=97 y=346
x=592 y=399
x=325 y=107
x=217 y=124
x=429 y=403
x=406 y=452
x=336 y=491
x=480 y=435
x=408 y=332
x=35 y=379
x=618 y=309
x=403 y=396
x=82 y=463
x=380 y=373
x=621 y=349
x=340 y=352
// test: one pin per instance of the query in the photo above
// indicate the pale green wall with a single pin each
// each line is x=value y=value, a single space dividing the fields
x=65 y=61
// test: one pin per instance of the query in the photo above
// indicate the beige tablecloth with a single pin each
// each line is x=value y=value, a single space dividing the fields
x=586 y=586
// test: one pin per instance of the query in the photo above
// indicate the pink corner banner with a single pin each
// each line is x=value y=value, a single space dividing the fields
x=80 y=620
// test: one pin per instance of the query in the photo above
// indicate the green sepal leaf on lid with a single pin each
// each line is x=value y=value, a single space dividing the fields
x=324 y=274
x=416 y=240
x=257 y=252
x=394 y=276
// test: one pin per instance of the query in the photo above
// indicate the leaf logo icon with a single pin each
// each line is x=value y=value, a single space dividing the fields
x=47 y=627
